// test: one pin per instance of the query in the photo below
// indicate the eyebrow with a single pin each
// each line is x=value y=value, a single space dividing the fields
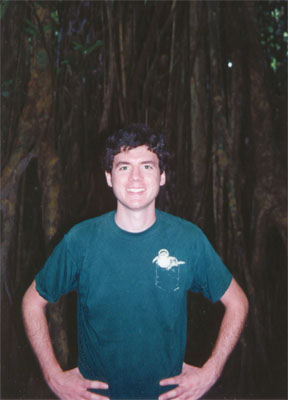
x=119 y=163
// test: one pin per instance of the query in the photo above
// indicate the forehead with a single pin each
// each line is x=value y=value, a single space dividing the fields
x=137 y=154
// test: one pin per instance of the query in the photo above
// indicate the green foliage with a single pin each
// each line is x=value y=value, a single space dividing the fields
x=31 y=29
x=55 y=16
x=6 y=88
x=87 y=49
x=272 y=16
x=3 y=8
x=41 y=58
x=272 y=19
x=79 y=47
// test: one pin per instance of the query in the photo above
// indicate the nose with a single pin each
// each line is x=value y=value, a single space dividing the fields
x=135 y=174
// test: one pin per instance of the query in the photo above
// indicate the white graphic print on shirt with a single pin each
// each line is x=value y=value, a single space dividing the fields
x=167 y=271
x=165 y=261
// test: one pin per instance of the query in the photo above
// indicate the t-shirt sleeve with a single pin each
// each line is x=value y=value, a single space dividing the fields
x=59 y=274
x=211 y=277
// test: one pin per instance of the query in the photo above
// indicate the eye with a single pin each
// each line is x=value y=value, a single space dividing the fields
x=147 y=166
x=124 y=168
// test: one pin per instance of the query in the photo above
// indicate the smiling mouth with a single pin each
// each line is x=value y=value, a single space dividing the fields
x=134 y=190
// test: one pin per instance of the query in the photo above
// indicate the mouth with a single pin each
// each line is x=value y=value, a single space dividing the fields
x=135 y=190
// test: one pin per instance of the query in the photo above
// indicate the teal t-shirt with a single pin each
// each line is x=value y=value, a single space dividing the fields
x=132 y=290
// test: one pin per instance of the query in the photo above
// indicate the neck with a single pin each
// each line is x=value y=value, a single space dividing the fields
x=135 y=221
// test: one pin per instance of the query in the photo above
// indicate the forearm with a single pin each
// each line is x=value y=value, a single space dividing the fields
x=228 y=336
x=67 y=385
x=236 y=309
x=37 y=330
x=193 y=382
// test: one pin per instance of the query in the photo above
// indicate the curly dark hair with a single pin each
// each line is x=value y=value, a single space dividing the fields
x=133 y=136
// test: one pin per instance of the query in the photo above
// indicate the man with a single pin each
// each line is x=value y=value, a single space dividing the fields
x=132 y=269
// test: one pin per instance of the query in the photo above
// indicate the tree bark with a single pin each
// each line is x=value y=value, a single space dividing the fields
x=164 y=64
x=198 y=111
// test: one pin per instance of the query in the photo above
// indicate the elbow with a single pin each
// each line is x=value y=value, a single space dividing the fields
x=27 y=298
x=26 y=305
x=241 y=306
x=245 y=305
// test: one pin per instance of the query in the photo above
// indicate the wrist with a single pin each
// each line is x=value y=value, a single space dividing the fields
x=53 y=375
x=213 y=368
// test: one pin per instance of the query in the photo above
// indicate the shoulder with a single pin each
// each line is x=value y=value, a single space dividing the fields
x=172 y=222
x=88 y=228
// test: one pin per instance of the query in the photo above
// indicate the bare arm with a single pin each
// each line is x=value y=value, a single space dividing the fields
x=65 y=384
x=236 y=309
x=193 y=382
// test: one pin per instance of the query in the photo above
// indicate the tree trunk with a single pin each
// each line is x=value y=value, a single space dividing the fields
x=199 y=111
x=81 y=69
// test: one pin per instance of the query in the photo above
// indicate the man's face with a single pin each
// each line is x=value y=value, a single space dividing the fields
x=136 y=179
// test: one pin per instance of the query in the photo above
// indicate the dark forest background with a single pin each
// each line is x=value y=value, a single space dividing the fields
x=212 y=75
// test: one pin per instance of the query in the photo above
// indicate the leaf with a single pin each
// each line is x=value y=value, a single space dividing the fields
x=31 y=28
x=78 y=46
x=5 y=88
x=97 y=44
x=47 y=28
x=6 y=84
x=28 y=22
x=54 y=16
x=30 y=31
x=273 y=64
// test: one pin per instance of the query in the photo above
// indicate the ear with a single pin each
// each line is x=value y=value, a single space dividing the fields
x=163 y=178
x=108 y=178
